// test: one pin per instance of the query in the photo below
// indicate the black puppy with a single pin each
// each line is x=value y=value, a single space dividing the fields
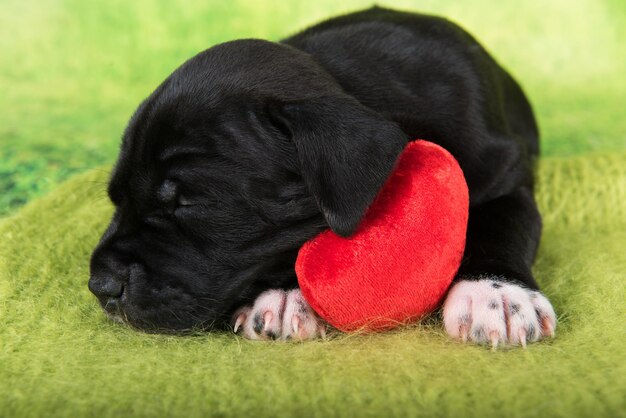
x=251 y=148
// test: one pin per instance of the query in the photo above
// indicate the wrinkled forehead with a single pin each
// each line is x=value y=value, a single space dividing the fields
x=180 y=140
x=157 y=133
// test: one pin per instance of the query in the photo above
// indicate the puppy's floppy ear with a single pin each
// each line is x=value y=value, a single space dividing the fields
x=346 y=152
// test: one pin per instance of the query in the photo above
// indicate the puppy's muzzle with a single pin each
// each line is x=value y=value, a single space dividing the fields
x=109 y=291
x=108 y=281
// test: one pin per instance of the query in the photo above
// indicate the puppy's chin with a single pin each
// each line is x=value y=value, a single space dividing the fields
x=164 y=321
x=115 y=317
x=152 y=328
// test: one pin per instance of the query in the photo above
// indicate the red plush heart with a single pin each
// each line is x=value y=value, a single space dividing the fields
x=405 y=253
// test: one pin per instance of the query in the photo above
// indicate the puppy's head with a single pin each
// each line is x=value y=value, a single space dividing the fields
x=241 y=155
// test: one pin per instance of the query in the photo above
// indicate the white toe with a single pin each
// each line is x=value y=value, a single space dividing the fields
x=264 y=321
x=299 y=320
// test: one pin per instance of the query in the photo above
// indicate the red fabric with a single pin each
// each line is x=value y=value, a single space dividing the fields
x=405 y=253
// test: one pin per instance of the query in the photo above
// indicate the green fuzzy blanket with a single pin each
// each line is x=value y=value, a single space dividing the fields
x=60 y=356
x=71 y=73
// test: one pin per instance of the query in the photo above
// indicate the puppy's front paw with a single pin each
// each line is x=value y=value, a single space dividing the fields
x=279 y=314
x=494 y=311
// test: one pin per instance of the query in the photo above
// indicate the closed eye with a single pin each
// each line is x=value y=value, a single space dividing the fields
x=184 y=201
x=168 y=194
x=172 y=198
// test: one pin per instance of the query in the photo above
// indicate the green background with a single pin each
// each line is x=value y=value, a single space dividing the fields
x=72 y=72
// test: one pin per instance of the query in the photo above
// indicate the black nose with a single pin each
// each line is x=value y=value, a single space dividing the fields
x=108 y=289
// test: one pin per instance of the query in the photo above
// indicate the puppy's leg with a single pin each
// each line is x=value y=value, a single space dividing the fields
x=495 y=298
x=279 y=314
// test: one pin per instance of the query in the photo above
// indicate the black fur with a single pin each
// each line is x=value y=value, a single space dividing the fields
x=251 y=148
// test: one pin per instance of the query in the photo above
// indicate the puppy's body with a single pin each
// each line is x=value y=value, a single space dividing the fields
x=436 y=82
x=251 y=148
